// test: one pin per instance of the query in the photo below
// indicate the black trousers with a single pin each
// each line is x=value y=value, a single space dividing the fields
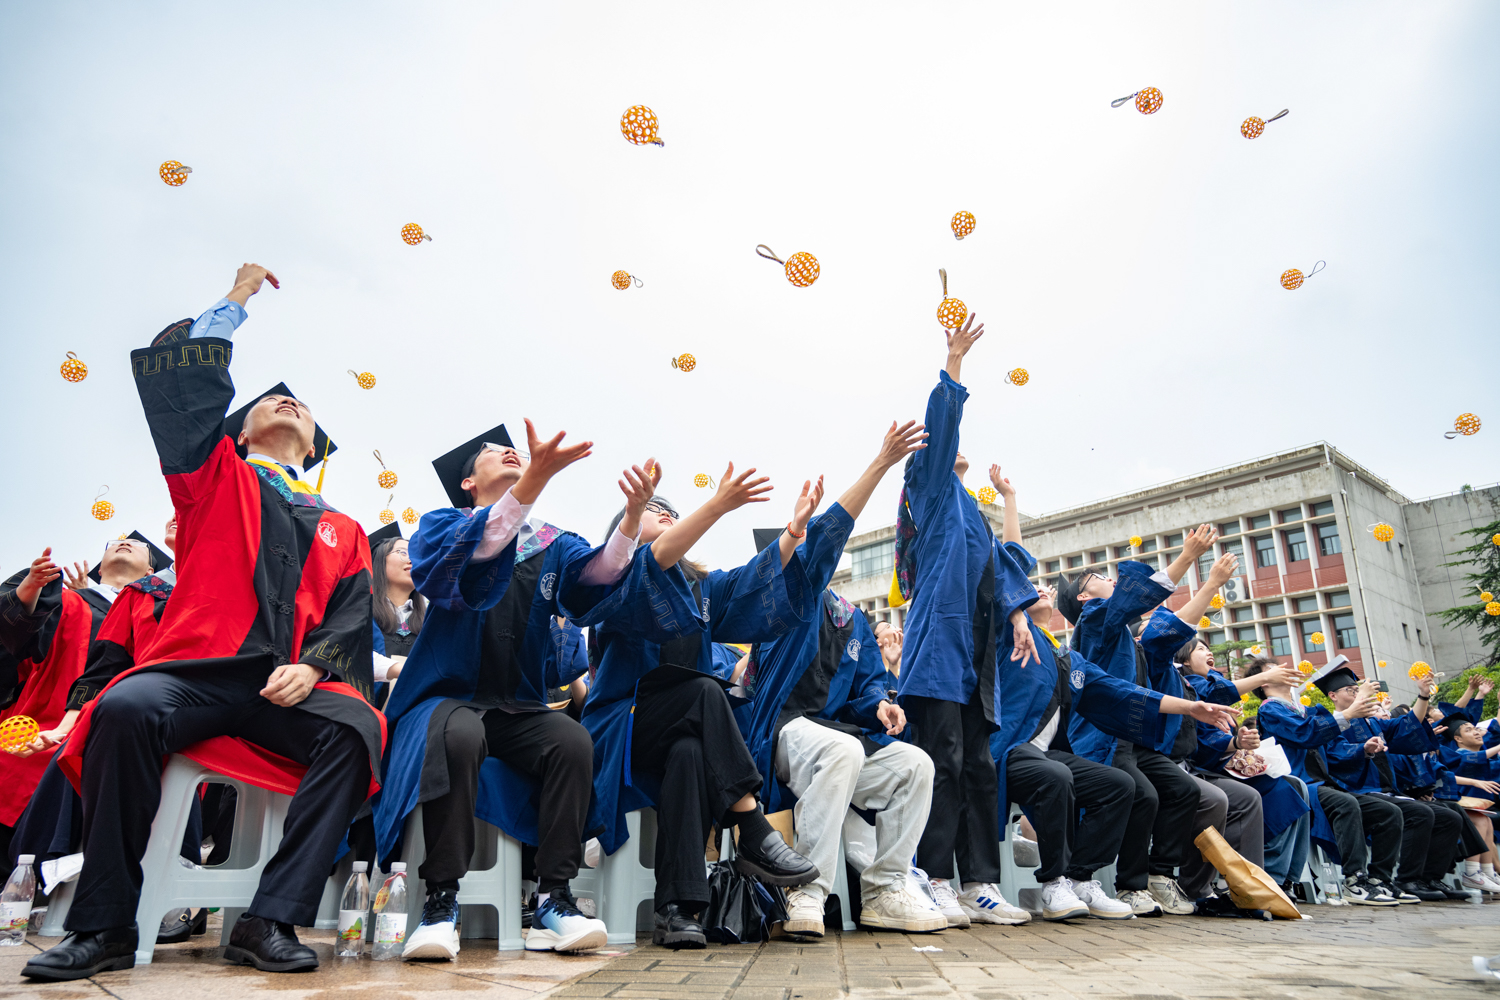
x=1471 y=841
x=965 y=816
x=1357 y=817
x=1429 y=836
x=547 y=747
x=148 y=715
x=1161 y=816
x=686 y=735
x=1052 y=787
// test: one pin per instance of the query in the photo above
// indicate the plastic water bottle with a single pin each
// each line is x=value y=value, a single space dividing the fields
x=390 y=915
x=354 y=909
x=15 y=902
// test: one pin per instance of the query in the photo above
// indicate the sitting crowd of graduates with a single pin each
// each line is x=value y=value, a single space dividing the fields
x=496 y=666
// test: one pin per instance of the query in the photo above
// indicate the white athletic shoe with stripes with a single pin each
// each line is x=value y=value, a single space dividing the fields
x=983 y=904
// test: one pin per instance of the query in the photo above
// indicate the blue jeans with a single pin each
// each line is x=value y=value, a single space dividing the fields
x=1286 y=853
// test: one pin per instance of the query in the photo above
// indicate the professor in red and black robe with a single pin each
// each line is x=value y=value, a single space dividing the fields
x=265 y=647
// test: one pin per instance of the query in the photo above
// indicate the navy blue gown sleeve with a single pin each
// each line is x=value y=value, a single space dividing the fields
x=759 y=601
x=931 y=468
x=1119 y=708
x=442 y=566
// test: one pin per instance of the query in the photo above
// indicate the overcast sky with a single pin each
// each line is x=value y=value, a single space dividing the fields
x=1129 y=262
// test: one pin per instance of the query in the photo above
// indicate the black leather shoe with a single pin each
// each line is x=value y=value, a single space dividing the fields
x=774 y=863
x=1447 y=890
x=82 y=955
x=674 y=929
x=269 y=946
x=1424 y=892
x=179 y=925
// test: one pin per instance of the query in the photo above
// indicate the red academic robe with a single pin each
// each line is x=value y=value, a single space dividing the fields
x=50 y=648
x=268 y=573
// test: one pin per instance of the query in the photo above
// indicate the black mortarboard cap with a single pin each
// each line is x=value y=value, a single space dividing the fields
x=388 y=533
x=450 y=467
x=1454 y=722
x=765 y=536
x=1333 y=680
x=159 y=559
x=235 y=422
x=1067 y=603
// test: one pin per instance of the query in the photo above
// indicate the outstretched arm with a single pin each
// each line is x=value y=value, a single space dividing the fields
x=1224 y=568
x=733 y=493
x=796 y=528
x=1011 y=532
x=960 y=340
x=899 y=442
x=1194 y=545
x=548 y=458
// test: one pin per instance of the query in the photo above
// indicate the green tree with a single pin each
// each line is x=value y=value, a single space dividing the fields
x=1483 y=559
x=1451 y=690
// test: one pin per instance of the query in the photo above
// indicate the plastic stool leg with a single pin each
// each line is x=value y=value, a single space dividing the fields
x=58 y=905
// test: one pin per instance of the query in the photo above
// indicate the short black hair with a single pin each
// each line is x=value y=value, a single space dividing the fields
x=1185 y=651
x=1259 y=665
x=468 y=470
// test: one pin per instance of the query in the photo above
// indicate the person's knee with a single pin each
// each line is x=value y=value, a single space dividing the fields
x=1115 y=789
x=843 y=754
x=131 y=705
x=573 y=753
x=1213 y=805
x=919 y=769
x=463 y=737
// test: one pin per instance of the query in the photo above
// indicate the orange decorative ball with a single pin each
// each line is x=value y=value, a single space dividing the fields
x=1291 y=279
x=1305 y=666
x=1135 y=541
x=410 y=515
x=74 y=370
x=386 y=481
x=387 y=516
x=17 y=731
x=638 y=125
x=1467 y=424
x=1380 y=664
x=1316 y=638
x=365 y=379
x=700 y=480
x=620 y=279
x=1306 y=701
x=1383 y=532
x=802 y=269
x=986 y=494
x=1252 y=127
x=1420 y=670
x=963 y=224
x=103 y=510
x=1205 y=622
x=1017 y=376
x=1495 y=539
x=1148 y=101
x=412 y=233
x=1254 y=650
x=1492 y=609
x=951 y=313
x=684 y=362
x=174 y=173
x=1216 y=602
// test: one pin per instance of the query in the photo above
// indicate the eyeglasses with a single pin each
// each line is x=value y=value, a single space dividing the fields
x=656 y=507
x=116 y=543
x=502 y=448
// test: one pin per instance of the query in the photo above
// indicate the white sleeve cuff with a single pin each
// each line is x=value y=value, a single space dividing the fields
x=609 y=566
x=1161 y=579
x=1343 y=722
x=505 y=518
x=383 y=665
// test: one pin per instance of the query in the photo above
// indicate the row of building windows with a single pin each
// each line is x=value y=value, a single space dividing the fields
x=1277 y=635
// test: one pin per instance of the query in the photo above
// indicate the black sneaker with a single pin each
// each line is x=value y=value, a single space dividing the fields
x=1423 y=891
x=1397 y=893
x=528 y=909
x=1447 y=890
x=1365 y=891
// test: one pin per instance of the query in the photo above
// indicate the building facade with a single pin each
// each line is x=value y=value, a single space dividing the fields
x=1301 y=522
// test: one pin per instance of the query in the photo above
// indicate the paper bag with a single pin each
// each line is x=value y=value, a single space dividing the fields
x=1249 y=885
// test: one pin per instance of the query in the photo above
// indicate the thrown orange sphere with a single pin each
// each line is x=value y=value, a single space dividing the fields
x=174 y=173
x=963 y=224
x=684 y=362
x=951 y=313
x=638 y=125
x=1148 y=101
x=412 y=233
x=410 y=515
x=1017 y=376
x=74 y=370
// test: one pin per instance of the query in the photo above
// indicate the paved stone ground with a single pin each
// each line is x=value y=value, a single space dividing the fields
x=1415 y=953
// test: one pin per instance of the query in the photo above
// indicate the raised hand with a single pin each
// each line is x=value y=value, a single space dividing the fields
x=42 y=572
x=548 y=458
x=1363 y=705
x=247 y=282
x=1485 y=687
x=807 y=504
x=1001 y=484
x=961 y=339
x=76 y=578
x=736 y=491
x=900 y=442
x=639 y=487
x=1221 y=717
x=1200 y=541
x=1373 y=746
x=1427 y=686
x=1223 y=570
x=1283 y=674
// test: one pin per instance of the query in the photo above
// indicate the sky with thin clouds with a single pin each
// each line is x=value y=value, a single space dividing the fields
x=1128 y=262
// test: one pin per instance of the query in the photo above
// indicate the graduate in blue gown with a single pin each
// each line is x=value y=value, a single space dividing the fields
x=664 y=731
x=825 y=731
x=1035 y=765
x=945 y=568
x=472 y=730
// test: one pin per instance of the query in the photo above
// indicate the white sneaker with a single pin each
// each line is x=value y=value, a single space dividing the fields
x=1493 y=880
x=1477 y=882
x=984 y=904
x=436 y=937
x=1059 y=902
x=804 y=913
x=947 y=902
x=1141 y=902
x=1100 y=903
x=899 y=909
x=558 y=925
x=1487 y=966
x=1170 y=896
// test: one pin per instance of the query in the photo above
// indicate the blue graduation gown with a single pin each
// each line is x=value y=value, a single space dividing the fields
x=1469 y=763
x=1423 y=770
x=1357 y=773
x=755 y=602
x=1102 y=636
x=1297 y=733
x=1215 y=687
x=444 y=667
x=953 y=548
x=1281 y=805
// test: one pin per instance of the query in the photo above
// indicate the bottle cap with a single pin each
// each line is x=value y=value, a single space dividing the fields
x=26 y=859
x=361 y=866
x=398 y=866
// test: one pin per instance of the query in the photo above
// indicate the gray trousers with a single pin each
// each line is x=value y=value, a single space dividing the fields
x=1234 y=809
x=828 y=772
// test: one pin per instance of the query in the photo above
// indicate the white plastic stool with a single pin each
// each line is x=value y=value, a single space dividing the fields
x=841 y=887
x=496 y=885
x=168 y=884
x=58 y=905
x=624 y=880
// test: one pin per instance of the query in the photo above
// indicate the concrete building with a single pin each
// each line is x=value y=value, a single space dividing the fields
x=1301 y=522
